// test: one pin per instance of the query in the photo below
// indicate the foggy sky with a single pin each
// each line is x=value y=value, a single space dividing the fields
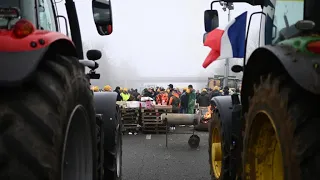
x=155 y=39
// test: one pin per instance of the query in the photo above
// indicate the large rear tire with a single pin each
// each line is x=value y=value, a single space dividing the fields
x=218 y=156
x=282 y=139
x=40 y=118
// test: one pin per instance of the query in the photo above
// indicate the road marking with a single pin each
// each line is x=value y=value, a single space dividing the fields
x=148 y=136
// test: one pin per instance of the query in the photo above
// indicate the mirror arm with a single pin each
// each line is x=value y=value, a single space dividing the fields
x=246 y=40
x=211 y=4
x=65 y=22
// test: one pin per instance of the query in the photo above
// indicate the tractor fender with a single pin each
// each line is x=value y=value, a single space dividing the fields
x=224 y=106
x=106 y=104
x=20 y=59
x=302 y=67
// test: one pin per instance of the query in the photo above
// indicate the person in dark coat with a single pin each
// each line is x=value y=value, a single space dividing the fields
x=226 y=91
x=215 y=92
x=117 y=90
x=203 y=99
x=184 y=101
x=170 y=89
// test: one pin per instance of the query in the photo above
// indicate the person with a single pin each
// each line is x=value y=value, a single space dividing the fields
x=174 y=101
x=191 y=99
x=162 y=97
x=125 y=95
x=95 y=88
x=226 y=91
x=169 y=90
x=135 y=94
x=197 y=93
x=184 y=101
x=107 y=88
x=215 y=92
x=203 y=99
x=237 y=91
x=117 y=90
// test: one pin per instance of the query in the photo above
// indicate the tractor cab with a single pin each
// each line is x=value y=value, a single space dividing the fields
x=23 y=19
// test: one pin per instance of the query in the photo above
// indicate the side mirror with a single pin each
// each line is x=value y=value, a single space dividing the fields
x=94 y=54
x=211 y=20
x=205 y=37
x=236 y=68
x=102 y=15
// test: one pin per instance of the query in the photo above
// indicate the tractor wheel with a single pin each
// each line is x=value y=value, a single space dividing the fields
x=281 y=138
x=47 y=125
x=218 y=156
x=113 y=150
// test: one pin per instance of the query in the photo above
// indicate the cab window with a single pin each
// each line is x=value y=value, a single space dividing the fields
x=26 y=9
x=287 y=13
x=47 y=19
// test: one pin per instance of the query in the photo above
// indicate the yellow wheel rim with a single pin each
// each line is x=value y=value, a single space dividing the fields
x=216 y=155
x=264 y=156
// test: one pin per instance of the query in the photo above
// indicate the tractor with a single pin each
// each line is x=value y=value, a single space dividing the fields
x=271 y=131
x=52 y=126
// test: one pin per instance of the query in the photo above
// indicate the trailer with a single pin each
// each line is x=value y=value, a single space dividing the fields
x=272 y=130
x=52 y=126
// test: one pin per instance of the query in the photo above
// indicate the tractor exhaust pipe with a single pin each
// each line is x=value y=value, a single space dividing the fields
x=180 y=119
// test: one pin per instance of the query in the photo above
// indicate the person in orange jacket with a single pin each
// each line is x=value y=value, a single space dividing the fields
x=162 y=98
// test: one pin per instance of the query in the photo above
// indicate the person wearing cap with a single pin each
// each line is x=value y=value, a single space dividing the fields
x=203 y=98
x=191 y=99
x=125 y=95
x=169 y=90
x=215 y=92
x=95 y=88
x=117 y=90
x=107 y=88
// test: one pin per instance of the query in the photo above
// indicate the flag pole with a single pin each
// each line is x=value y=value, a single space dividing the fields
x=230 y=7
x=226 y=72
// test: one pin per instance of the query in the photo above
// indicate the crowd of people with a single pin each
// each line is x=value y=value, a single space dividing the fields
x=181 y=101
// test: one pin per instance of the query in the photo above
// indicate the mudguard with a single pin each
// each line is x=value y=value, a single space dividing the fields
x=302 y=67
x=105 y=104
x=21 y=57
x=224 y=106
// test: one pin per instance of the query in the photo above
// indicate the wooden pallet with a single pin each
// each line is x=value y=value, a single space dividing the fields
x=151 y=119
x=130 y=118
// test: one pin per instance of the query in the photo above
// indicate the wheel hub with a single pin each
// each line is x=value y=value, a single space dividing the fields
x=264 y=156
x=216 y=154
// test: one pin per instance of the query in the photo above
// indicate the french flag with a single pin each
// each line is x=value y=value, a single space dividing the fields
x=227 y=43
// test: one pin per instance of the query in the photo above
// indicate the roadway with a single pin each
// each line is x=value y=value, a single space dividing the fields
x=145 y=157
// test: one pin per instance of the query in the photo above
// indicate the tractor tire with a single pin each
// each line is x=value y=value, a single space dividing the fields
x=113 y=149
x=35 y=125
x=281 y=138
x=219 y=164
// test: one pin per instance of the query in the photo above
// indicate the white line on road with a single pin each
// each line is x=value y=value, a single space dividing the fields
x=148 y=136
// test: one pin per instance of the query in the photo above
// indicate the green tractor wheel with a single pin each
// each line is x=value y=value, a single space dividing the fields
x=281 y=139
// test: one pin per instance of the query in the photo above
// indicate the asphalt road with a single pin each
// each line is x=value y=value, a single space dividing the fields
x=149 y=159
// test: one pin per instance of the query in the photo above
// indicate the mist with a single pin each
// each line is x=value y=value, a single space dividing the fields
x=157 y=43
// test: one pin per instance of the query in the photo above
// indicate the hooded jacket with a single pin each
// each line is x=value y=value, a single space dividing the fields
x=203 y=99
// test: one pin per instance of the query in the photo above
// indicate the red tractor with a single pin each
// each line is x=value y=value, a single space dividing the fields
x=49 y=126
